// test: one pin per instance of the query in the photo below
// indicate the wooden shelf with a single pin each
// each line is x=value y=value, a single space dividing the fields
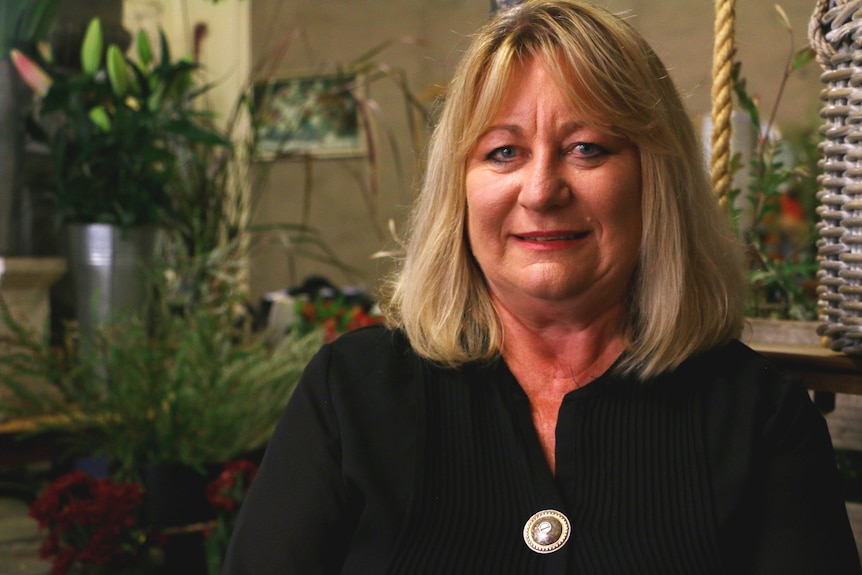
x=26 y=425
x=821 y=369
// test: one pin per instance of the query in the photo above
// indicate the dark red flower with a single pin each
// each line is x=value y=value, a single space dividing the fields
x=227 y=491
x=90 y=522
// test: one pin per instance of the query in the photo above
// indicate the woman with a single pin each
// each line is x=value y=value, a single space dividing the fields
x=559 y=389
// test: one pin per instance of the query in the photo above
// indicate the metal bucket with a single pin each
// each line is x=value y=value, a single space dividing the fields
x=109 y=269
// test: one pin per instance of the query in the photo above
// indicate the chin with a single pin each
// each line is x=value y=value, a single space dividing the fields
x=554 y=293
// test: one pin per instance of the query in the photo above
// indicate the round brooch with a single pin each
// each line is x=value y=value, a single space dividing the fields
x=547 y=531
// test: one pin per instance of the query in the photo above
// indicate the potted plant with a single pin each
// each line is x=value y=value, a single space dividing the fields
x=163 y=401
x=113 y=129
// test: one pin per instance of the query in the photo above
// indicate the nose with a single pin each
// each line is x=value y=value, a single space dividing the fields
x=544 y=186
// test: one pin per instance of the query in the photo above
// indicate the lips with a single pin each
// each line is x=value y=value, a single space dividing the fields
x=552 y=237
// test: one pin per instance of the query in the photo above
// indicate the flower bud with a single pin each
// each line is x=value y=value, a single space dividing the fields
x=117 y=73
x=34 y=76
x=91 y=49
x=44 y=50
x=99 y=116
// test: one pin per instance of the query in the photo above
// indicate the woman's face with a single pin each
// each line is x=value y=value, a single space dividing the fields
x=553 y=206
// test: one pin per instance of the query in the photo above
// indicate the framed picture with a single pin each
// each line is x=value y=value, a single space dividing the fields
x=308 y=116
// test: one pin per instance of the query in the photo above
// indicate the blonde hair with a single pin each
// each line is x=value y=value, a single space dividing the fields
x=689 y=287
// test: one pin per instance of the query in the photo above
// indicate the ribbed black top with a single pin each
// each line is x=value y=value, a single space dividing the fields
x=485 y=475
x=476 y=491
x=386 y=464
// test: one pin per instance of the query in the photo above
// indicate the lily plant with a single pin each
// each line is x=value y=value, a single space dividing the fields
x=113 y=128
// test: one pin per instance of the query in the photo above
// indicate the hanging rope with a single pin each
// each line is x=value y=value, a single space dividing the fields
x=722 y=101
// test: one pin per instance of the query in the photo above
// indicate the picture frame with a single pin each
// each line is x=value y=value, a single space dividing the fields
x=308 y=115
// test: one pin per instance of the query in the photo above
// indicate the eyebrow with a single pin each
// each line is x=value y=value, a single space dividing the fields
x=511 y=128
x=515 y=129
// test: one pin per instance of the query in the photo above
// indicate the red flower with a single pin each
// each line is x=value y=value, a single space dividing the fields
x=226 y=492
x=91 y=522
x=333 y=315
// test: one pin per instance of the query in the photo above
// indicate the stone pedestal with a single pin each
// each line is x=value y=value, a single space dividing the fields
x=25 y=285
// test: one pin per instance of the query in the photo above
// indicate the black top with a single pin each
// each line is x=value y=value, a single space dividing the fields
x=385 y=463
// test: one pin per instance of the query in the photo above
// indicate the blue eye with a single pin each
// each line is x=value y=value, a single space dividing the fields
x=503 y=153
x=588 y=149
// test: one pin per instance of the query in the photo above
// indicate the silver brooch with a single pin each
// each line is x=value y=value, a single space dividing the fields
x=547 y=531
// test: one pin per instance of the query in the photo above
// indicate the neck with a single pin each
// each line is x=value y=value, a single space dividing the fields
x=568 y=353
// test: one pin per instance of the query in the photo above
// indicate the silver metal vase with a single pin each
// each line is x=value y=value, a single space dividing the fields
x=109 y=269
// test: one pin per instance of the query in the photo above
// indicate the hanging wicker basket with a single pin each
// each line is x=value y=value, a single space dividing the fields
x=836 y=36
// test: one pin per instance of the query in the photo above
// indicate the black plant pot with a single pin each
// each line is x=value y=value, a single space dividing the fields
x=176 y=503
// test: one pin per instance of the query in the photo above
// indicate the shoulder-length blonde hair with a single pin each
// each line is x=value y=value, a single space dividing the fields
x=688 y=291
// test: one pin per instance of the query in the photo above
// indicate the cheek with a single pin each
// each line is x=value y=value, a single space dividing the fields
x=625 y=217
x=486 y=208
x=485 y=228
x=617 y=210
x=623 y=202
x=476 y=226
x=627 y=213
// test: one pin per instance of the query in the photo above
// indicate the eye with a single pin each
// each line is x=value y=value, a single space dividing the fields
x=503 y=154
x=588 y=149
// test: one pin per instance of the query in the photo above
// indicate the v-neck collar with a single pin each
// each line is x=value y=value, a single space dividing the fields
x=546 y=493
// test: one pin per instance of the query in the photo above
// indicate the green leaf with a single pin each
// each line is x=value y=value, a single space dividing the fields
x=36 y=21
x=165 y=48
x=195 y=133
x=746 y=102
x=802 y=57
x=145 y=50
x=25 y=22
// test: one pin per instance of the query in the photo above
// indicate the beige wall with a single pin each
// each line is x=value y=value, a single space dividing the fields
x=338 y=30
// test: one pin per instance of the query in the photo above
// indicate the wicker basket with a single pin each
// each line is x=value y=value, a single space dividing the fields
x=836 y=36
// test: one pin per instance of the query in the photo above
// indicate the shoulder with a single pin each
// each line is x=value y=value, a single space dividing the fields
x=369 y=349
x=736 y=368
x=731 y=359
x=746 y=393
x=373 y=338
x=370 y=364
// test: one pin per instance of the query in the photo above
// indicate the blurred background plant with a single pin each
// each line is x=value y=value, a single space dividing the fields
x=775 y=214
x=25 y=22
x=191 y=388
x=334 y=315
x=225 y=494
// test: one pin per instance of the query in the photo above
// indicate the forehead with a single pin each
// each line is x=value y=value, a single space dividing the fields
x=516 y=87
x=531 y=80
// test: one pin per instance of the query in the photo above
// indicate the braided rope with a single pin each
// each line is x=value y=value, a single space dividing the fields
x=722 y=103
